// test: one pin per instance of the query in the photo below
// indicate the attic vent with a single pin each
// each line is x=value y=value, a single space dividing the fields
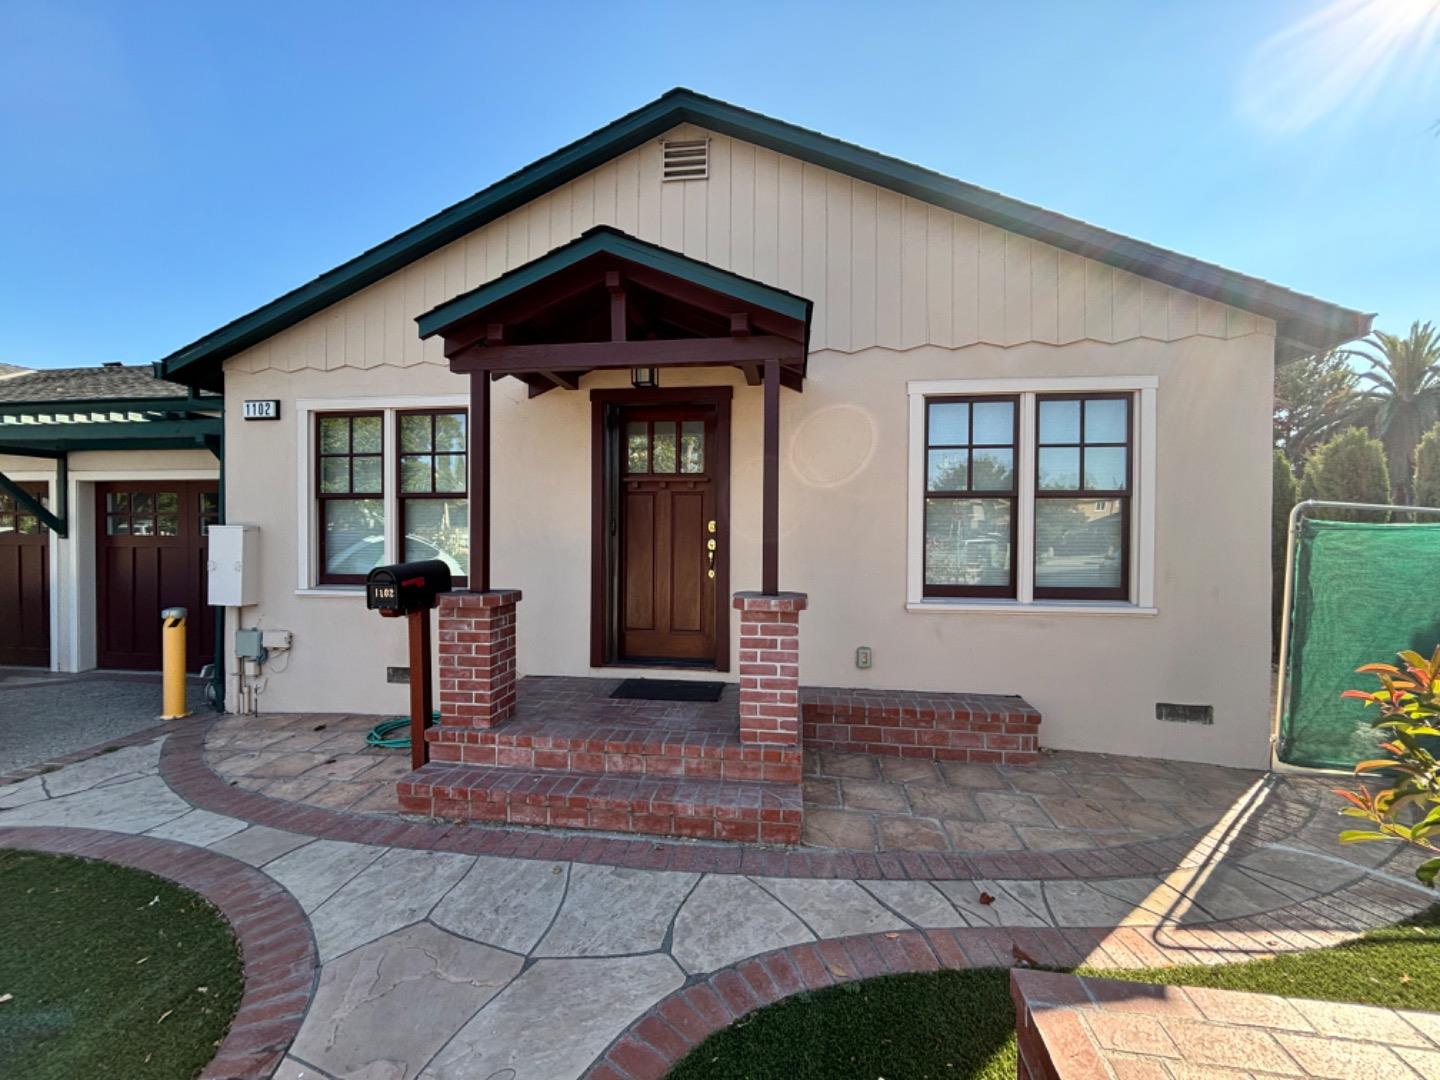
x=685 y=159
x=1185 y=714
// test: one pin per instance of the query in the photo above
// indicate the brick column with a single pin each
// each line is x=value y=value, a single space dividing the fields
x=477 y=657
x=770 y=666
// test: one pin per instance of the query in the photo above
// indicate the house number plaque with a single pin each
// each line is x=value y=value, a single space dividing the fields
x=262 y=410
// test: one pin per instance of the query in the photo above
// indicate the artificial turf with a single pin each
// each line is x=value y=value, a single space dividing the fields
x=961 y=1024
x=107 y=971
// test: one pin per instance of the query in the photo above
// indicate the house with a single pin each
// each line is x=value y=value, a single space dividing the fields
x=703 y=374
x=109 y=478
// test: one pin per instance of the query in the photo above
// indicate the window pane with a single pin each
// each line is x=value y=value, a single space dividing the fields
x=365 y=435
x=450 y=432
x=949 y=423
x=334 y=475
x=7 y=522
x=209 y=508
x=662 y=449
x=439 y=529
x=7 y=502
x=692 y=446
x=991 y=469
x=169 y=525
x=365 y=474
x=334 y=435
x=1105 y=421
x=637 y=447
x=1059 y=468
x=1059 y=422
x=117 y=526
x=1105 y=468
x=967 y=541
x=142 y=526
x=994 y=423
x=354 y=535
x=450 y=472
x=142 y=502
x=116 y=501
x=168 y=502
x=1078 y=543
x=946 y=470
x=414 y=433
x=27 y=523
x=415 y=470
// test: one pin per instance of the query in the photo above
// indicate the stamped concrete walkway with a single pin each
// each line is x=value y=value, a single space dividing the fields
x=437 y=962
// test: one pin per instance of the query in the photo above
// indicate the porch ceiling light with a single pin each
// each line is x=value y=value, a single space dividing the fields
x=644 y=378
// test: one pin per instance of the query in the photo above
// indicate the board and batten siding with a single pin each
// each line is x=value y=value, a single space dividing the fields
x=883 y=269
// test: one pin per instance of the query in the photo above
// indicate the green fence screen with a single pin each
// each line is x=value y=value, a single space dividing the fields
x=1362 y=593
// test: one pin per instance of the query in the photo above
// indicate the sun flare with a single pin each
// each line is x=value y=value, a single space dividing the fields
x=1338 y=59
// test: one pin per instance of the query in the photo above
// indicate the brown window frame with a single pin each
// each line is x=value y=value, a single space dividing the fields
x=1125 y=496
x=322 y=496
x=1008 y=591
x=403 y=497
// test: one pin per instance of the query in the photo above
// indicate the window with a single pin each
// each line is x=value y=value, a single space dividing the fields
x=15 y=518
x=350 y=486
x=389 y=485
x=970 y=496
x=434 y=471
x=664 y=446
x=1035 y=493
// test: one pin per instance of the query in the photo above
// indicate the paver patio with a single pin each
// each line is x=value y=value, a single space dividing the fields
x=448 y=951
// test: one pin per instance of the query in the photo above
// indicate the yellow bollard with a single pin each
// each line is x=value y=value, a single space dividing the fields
x=172 y=643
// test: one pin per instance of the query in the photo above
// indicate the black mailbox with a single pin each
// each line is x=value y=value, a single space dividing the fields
x=406 y=587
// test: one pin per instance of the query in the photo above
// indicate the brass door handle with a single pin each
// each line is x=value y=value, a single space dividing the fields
x=710 y=549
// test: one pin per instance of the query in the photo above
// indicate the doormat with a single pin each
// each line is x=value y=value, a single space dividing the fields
x=668 y=690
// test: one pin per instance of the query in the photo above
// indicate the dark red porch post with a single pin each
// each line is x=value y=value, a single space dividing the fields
x=480 y=481
x=770 y=512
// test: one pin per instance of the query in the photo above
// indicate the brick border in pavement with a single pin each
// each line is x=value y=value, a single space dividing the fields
x=277 y=948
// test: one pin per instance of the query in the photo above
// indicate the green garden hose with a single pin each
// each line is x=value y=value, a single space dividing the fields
x=380 y=734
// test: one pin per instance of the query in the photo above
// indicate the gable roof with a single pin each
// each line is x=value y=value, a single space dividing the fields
x=1304 y=324
x=105 y=382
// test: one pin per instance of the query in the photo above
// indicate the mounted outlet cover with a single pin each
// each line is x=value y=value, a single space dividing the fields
x=864 y=658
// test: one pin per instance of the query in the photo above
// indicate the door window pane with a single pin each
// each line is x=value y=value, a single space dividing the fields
x=439 y=529
x=949 y=423
x=25 y=523
x=142 y=502
x=209 y=509
x=946 y=470
x=167 y=502
x=967 y=542
x=116 y=525
x=662 y=447
x=1079 y=543
x=1105 y=468
x=168 y=525
x=692 y=446
x=354 y=535
x=637 y=447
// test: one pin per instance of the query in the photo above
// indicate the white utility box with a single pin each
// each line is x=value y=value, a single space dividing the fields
x=234 y=565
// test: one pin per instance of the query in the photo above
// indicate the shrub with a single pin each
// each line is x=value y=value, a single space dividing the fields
x=1427 y=469
x=1409 y=704
x=1349 y=468
x=1283 y=494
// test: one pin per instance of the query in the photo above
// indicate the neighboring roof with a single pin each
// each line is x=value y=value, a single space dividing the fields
x=107 y=382
x=7 y=370
x=1305 y=324
x=603 y=239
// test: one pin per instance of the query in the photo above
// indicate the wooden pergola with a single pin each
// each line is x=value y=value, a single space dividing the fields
x=609 y=301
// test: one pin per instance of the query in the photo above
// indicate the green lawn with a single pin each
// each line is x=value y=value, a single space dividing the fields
x=960 y=1024
x=106 y=971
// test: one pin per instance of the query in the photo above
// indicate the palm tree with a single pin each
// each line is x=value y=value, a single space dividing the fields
x=1404 y=393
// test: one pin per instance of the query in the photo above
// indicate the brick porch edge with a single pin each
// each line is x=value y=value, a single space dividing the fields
x=651 y=1046
x=277 y=948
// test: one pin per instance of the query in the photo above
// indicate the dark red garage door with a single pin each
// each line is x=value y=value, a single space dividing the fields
x=150 y=555
x=24 y=582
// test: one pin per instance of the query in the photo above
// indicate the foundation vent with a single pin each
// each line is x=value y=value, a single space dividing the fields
x=685 y=159
x=1184 y=714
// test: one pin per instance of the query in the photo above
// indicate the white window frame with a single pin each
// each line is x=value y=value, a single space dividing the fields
x=1142 y=547
x=307 y=513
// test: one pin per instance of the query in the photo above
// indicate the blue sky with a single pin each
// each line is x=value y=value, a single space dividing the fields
x=168 y=167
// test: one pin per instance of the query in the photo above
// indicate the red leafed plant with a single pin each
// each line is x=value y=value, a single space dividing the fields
x=1409 y=704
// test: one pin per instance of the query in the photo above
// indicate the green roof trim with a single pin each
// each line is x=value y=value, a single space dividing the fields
x=49 y=439
x=605 y=240
x=1305 y=323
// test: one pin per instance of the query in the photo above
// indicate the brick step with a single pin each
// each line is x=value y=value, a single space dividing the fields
x=697 y=808
x=602 y=746
x=988 y=728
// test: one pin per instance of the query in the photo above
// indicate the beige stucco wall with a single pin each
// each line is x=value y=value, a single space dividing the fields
x=903 y=292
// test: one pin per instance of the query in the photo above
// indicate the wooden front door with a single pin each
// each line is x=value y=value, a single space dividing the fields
x=665 y=509
x=150 y=555
x=24 y=582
